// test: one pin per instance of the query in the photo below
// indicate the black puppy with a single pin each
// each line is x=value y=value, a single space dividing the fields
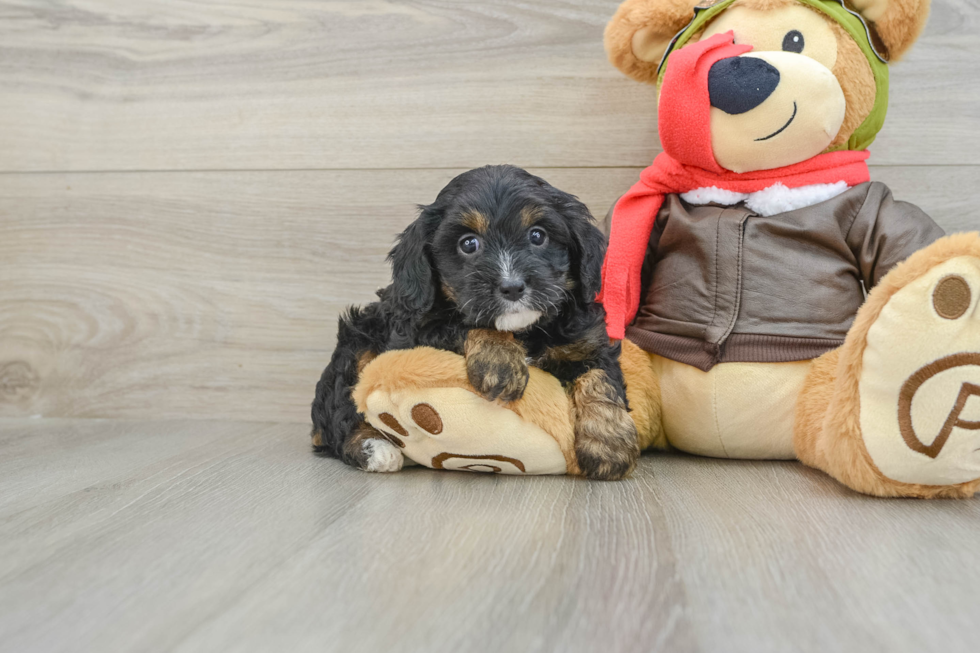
x=502 y=268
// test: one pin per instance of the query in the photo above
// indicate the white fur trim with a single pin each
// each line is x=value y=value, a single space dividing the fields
x=770 y=201
x=779 y=199
x=713 y=195
x=382 y=456
x=517 y=320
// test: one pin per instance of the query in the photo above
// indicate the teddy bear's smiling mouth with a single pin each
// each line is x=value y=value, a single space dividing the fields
x=780 y=130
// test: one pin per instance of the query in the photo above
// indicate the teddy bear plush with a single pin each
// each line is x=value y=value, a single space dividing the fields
x=773 y=302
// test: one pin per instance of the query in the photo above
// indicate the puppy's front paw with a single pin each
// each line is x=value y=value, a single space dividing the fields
x=498 y=377
x=496 y=365
x=606 y=443
x=607 y=456
x=381 y=456
x=372 y=451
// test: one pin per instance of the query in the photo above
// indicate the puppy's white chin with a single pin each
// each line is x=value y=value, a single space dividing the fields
x=516 y=321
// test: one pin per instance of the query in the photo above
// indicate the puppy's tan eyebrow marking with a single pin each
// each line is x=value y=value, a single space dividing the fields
x=448 y=291
x=530 y=215
x=475 y=221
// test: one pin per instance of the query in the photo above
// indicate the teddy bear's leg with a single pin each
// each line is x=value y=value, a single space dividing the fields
x=643 y=395
x=895 y=411
x=423 y=403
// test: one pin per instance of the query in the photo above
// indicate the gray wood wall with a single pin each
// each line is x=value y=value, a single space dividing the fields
x=190 y=192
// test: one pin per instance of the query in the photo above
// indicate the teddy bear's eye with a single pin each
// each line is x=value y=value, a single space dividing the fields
x=793 y=42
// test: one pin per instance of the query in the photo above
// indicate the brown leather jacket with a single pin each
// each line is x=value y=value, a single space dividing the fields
x=724 y=284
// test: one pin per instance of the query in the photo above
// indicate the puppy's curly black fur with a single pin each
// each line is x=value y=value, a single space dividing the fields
x=499 y=250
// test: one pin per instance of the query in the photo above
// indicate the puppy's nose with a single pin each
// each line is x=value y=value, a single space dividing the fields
x=740 y=84
x=512 y=290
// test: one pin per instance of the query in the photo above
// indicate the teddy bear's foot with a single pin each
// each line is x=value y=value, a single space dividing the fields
x=920 y=378
x=904 y=418
x=422 y=402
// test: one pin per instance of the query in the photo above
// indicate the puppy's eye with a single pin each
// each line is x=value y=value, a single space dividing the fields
x=793 y=42
x=469 y=244
x=537 y=236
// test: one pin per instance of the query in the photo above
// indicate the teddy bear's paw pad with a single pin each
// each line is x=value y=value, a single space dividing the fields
x=381 y=456
x=393 y=431
x=920 y=380
x=427 y=418
x=453 y=428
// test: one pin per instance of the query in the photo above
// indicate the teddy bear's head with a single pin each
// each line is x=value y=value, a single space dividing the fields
x=814 y=80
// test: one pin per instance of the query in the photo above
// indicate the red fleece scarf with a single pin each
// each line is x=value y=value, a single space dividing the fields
x=687 y=163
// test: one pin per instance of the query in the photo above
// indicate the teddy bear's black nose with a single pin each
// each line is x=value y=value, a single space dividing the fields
x=740 y=84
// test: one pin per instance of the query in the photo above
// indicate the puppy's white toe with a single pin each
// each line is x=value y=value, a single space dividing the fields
x=382 y=456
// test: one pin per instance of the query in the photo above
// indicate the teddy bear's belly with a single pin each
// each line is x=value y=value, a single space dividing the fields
x=735 y=410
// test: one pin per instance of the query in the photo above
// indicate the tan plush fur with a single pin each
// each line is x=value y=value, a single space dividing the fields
x=544 y=403
x=901 y=25
x=422 y=367
x=763 y=5
x=811 y=409
x=666 y=16
x=834 y=443
x=856 y=80
x=643 y=394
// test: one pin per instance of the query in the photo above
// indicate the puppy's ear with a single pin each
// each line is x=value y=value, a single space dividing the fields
x=589 y=247
x=413 y=282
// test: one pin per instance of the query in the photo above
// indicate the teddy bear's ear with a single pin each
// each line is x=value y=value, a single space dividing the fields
x=897 y=22
x=640 y=31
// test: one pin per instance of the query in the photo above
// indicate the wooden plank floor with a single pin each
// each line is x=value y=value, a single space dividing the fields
x=224 y=536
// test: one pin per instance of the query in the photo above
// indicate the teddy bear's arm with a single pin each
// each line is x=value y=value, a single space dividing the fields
x=886 y=231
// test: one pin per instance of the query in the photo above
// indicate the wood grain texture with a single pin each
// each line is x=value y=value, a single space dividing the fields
x=216 y=295
x=247 y=84
x=208 y=536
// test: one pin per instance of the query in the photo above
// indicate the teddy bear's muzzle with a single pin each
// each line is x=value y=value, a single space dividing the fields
x=772 y=109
